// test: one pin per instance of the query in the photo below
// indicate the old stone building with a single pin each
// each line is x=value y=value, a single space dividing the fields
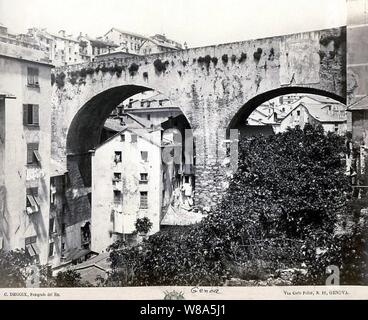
x=126 y=185
x=25 y=126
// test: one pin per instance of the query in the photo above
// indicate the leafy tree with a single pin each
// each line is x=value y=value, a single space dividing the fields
x=69 y=278
x=13 y=268
x=290 y=186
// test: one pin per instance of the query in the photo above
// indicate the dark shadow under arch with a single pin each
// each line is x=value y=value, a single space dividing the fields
x=252 y=104
x=85 y=129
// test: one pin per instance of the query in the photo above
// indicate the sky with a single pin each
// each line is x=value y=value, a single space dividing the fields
x=198 y=22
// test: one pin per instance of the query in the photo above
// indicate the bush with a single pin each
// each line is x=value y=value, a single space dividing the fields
x=69 y=278
x=243 y=57
x=225 y=58
x=143 y=225
x=133 y=69
x=214 y=61
x=83 y=73
x=160 y=66
x=257 y=54
x=60 y=80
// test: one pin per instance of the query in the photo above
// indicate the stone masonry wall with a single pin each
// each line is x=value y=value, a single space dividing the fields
x=209 y=84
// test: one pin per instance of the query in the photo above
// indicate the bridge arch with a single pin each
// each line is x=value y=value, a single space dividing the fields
x=85 y=128
x=252 y=104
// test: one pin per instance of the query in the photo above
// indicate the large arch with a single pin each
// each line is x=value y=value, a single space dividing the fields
x=253 y=103
x=85 y=128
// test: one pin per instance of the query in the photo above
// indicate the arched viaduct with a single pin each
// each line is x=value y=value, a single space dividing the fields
x=215 y=87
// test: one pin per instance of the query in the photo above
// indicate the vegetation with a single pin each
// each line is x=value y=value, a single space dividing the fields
x=17 y=270
x=133 y=69
x=13 y=268
x=60 y=80
x=225 y=59
x=281 y=210
x=160 y=66
x=143 y=225
x=243 y=57
x=257 y=54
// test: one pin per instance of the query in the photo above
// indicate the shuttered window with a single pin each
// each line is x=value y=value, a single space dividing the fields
x=32 y=77
x=144 y=155
x=31 y=115
x=33 y=156
x=31 y=246
x=33 y=201
x=143 y=200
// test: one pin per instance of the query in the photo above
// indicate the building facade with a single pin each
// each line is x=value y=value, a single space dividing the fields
x=25 y=122
x=134 y=43
x=126 y=185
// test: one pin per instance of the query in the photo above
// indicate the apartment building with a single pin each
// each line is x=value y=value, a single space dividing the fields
x=25 y=125
x=126 y=185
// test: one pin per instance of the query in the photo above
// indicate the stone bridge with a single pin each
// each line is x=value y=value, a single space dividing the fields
x=216 y=87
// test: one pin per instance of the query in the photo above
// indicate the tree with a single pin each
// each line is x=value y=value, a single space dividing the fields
x=69 y=278
x=13 y=268
x=288 y=186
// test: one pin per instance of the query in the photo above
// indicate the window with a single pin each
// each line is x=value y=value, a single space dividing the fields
x=117 y=157
x=51 y=249
x=33 y=201
x=31 y=114
x=144 y=156
x=148 y=117
x=117 y=176
x=62 y=246
x=144 y=178
x=143 y=204
x=117 y=195
x=31 y=246
x=160 y=102
x=228 y=148
x=122 y=136
x=63 y=228
x=51 y=226
x=33 y=156
x=186 y=179
x=32 y=77
x=134 y=138
x=298 y=113
x=336 y=127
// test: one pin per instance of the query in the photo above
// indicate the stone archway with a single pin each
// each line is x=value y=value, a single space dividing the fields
x=253 y=103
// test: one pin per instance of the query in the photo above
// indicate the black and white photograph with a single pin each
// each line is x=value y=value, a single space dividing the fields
x=179 y=149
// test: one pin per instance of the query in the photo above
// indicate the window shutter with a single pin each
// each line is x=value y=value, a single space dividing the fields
x=36 y=117
x=25 y=114
x=30 y=153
